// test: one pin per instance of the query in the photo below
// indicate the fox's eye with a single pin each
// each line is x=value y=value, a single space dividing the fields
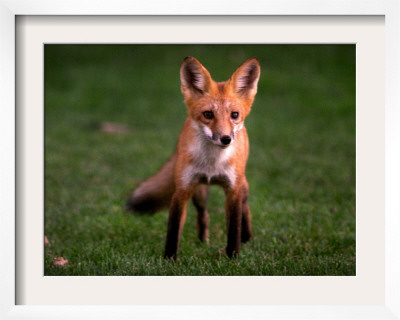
x=208 y=114
x=235 y=115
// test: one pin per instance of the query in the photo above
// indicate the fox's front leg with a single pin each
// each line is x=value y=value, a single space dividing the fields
x=176 y=220
x=246 y=216
x=233 y=209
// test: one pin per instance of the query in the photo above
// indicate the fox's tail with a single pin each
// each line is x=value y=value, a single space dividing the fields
x=156 y=192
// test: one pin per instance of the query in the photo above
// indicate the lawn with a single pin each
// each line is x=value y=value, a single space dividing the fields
x=301 y=168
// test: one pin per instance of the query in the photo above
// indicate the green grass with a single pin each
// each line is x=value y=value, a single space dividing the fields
x=301 y=168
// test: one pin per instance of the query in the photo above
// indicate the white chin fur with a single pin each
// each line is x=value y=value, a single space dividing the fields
x=221 y=145
x=210 y=158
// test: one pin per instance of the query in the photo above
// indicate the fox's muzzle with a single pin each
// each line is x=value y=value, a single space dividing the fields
x=226 y=140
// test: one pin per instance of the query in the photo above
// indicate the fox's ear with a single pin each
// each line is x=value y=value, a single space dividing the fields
x=244 y=80
x=195 y=79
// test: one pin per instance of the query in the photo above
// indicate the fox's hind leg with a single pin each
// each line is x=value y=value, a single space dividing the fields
x=199 y=198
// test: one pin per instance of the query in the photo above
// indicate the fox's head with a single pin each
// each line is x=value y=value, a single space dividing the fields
x=219 y=108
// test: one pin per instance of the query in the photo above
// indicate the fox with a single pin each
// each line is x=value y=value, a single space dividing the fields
x=212 y=149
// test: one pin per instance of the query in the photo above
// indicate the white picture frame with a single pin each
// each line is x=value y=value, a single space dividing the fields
x=8 y=12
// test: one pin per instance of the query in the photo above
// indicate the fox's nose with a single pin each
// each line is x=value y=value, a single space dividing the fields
x=226 y=140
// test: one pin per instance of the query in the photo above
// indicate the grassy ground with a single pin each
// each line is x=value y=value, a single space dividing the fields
x=301 y=168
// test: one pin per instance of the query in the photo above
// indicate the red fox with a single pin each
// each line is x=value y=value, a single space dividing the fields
x=212 y=149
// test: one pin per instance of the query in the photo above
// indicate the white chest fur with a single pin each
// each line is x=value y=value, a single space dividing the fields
x=210 y=163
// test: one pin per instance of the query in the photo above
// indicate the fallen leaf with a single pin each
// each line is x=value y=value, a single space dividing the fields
x=114 y=128
x=59 y=262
